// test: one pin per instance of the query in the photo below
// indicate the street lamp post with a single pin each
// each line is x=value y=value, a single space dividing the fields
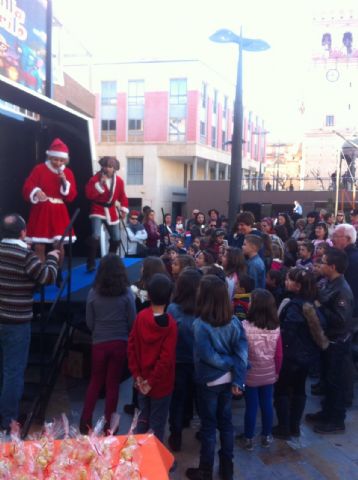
x=251 y=45
x=260 y=133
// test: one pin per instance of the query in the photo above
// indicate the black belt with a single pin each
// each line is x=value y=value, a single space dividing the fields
x=104 y=204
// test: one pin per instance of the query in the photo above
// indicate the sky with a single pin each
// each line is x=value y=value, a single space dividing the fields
x=138 y=29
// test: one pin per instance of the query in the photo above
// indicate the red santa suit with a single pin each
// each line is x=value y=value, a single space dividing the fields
x=106 y=201
x=48 y=220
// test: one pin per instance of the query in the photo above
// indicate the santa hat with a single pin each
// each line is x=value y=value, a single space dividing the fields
x=58 y=149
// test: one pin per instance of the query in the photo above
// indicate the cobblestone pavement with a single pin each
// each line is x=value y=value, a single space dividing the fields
x=312 y=457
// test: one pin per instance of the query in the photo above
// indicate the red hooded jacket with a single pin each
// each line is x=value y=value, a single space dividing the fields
x=152 y=352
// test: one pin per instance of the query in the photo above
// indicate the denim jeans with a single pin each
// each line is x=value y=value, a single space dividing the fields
x=113 y=230
x=215 y=413
x=14 y=346
x=153 y=415
x=183 y=396
x=255 y=396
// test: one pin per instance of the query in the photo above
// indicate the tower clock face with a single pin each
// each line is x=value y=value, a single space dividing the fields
x=332 y=75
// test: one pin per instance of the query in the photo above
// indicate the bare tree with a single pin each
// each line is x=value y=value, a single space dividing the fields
x=316 y=174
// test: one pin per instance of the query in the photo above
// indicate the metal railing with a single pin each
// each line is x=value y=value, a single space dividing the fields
x=274 y=183
x=50 y=367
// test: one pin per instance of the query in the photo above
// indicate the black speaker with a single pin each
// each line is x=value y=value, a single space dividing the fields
x=266 y=210
x=260 y=210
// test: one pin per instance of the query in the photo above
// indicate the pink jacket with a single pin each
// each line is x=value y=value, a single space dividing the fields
x=265 y=355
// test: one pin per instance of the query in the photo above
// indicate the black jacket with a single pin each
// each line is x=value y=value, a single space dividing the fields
x=337 y=306
x=299 y=347
x=351 y=274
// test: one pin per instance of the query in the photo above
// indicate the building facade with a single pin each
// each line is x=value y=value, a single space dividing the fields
x=331 y=98
x=168 y=122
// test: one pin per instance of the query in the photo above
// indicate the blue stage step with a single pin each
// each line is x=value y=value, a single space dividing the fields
x=80 y=279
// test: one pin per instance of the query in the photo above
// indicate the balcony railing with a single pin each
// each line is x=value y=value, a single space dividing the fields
x=274 y=183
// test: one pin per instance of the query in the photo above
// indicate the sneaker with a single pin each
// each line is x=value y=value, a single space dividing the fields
x=315 y=417
x=329 y=428
x=246 y=443
x=266 y=441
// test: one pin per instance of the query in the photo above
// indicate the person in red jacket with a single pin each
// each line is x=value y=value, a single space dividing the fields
x=151 y=357
x=49 y=187
x=108 y=202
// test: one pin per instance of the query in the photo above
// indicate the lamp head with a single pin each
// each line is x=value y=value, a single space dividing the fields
x=250 y=44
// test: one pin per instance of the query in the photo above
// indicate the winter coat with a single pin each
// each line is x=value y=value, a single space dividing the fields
x=219 y=350
x=265 y=355
x=151 y=352
x=299 y=347
x=185 y=344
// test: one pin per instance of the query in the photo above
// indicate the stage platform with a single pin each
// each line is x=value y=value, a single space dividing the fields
x=82 y=281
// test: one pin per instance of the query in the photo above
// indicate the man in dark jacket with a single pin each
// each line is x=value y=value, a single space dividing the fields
x=337 y=305
x=344 y=238
x=20 y=271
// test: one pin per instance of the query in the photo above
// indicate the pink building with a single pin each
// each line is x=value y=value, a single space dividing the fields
x=169 y=122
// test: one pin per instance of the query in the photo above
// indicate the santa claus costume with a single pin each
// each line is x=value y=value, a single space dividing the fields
x=49 y=187
x=108 y=199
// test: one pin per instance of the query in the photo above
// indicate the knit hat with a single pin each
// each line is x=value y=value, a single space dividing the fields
x=58 y=149
x=134 y=213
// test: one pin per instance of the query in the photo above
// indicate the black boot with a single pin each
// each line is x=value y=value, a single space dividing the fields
x=226 y=468
x=298 y=403
x=113 y=246
x=93 y=244
x=282 y=407
x=204 y=472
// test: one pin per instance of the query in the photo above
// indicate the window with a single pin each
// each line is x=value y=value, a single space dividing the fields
x=135 y=108
x=202 y=132
x=177 y=129
x=223 y=140
x=178 y=91
x=215 y=101
x=109 y=93
x=225 y=107
x=135 y=171
x=204 y=93
x=108 y=111
x=327 y=41
x=135 y=124
x=329 y=120
x=213 y=136
x=136 y=92
x=177 y=110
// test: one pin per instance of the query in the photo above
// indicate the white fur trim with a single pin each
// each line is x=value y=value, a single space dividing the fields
x=124 y=209
x=55 y=153
x=65 y=191
x=49 y=240
x=32 y=195
x=99 y=187
x=55 y=170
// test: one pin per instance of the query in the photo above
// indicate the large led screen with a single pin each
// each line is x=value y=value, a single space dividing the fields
x=23 y=34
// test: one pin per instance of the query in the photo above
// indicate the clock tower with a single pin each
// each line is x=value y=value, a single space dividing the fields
x=331 y=89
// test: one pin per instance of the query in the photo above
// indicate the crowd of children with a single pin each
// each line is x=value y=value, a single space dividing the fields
x=217 y=321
